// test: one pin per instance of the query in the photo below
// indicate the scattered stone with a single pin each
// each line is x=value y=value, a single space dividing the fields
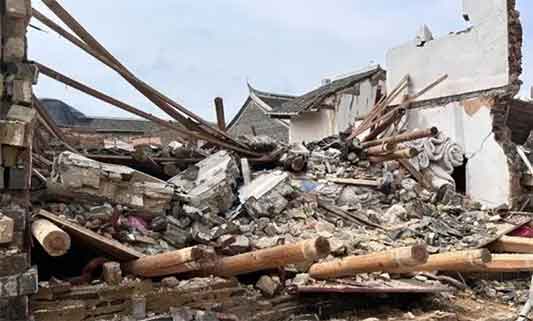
x=394 y=215
x=170 y=282
x=213 y=186
x=268 y=285
x=112 y=273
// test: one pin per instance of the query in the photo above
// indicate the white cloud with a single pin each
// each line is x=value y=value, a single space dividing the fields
x=196 y=50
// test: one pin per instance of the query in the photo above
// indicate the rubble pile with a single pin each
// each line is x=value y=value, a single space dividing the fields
x=378 y=214
x=368 y=224
x=348 y=214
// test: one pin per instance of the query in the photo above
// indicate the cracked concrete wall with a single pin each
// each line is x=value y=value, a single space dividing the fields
x=475 y=60
x=469 y=123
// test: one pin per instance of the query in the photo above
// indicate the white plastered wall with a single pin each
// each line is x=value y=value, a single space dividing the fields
x=312 y=126
x=487 y=172
x=350 y=107
x=474 y=60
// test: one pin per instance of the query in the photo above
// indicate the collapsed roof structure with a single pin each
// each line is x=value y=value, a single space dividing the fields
x=413 y=181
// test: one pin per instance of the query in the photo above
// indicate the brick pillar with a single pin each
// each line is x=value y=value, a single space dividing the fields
x=17 y=279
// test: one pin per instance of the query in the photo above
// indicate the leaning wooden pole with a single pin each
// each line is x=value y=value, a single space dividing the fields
x=151 y=93
x=405 y=153
x=54 y=240
x=417 y=134
x=450 y=262
x=118 y=68
x=388 y=120
x=117 y=103
x=272 y=258
x=376 y=262
x=169 y=263
x=51 y=124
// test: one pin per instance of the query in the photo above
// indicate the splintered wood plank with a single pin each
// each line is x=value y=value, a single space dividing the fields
x=108 y=246
x=353 y=181
x=389 y=286
x=513 y=244
x=511 y=223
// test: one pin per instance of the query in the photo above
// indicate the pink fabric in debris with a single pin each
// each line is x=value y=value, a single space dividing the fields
x=524 y=231
x=138 y=223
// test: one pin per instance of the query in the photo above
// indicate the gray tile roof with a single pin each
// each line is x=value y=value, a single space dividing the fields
x=315 y=98
x=67 y=116
x=251 y=114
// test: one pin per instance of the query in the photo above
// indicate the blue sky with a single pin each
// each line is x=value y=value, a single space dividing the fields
x=195 y=50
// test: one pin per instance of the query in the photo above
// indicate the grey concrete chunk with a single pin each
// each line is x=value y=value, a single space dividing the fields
x=78 y=176
x=211 y=183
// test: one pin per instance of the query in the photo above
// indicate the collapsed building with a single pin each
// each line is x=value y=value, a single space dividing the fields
x=375 y=185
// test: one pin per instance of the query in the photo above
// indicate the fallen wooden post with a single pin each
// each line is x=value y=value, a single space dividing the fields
x=54 y=240
x=417 y=134
x=506 y=263
x=91 y=239
x=272 y=258
x=406 y=153
x=384 y=148
x=376 y=262
x=450 y=262
x=354 y=181
x=513 y=244
x=169 y=263
x=386 y=122
x=112 y=273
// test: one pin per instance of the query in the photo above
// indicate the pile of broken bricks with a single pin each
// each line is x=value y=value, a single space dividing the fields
x=239 y=228
x=338 y=226
x=355 y=213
